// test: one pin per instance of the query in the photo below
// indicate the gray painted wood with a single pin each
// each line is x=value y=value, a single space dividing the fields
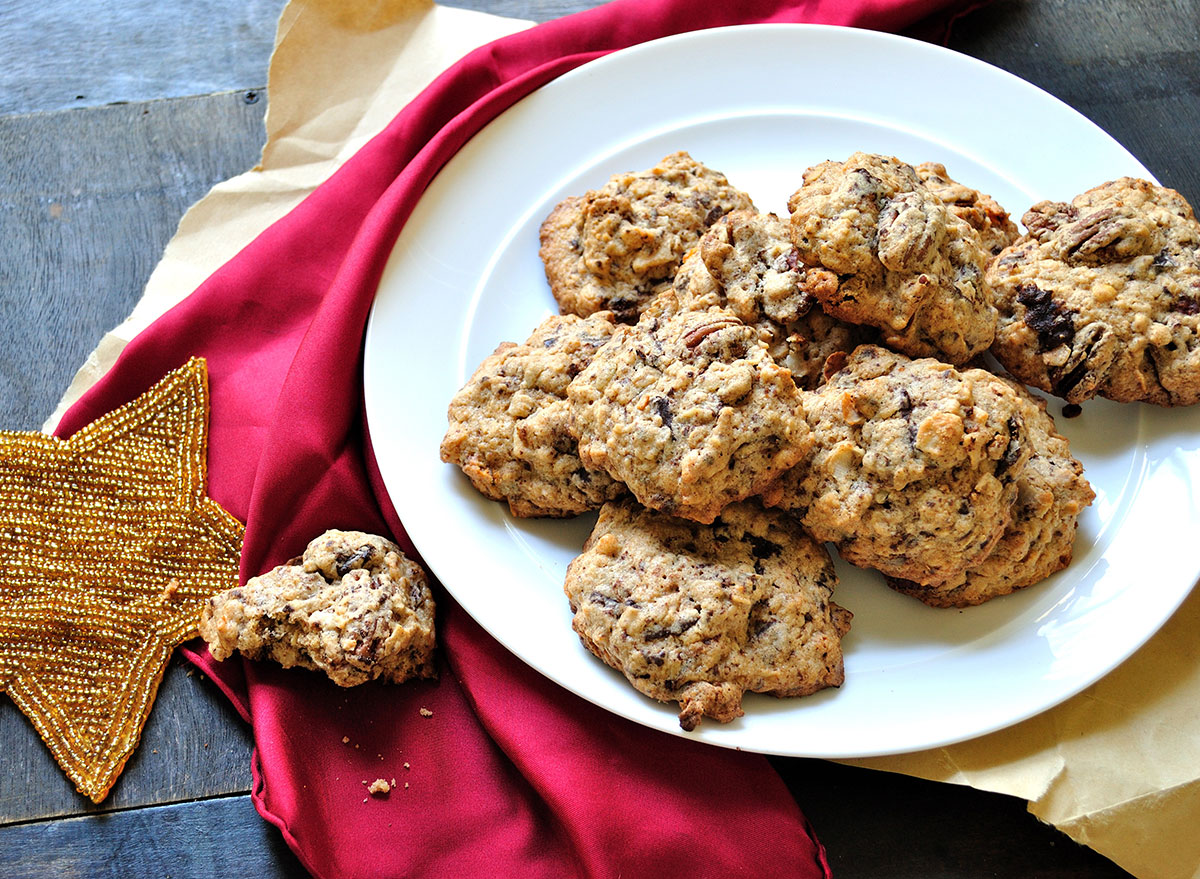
x=88 y=200
x=122 y=175
x=217 y=837
x=56 y=55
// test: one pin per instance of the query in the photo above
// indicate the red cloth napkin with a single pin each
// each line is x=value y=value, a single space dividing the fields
x=498 y=772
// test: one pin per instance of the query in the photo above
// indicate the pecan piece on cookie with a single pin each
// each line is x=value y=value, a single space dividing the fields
x=746 y=264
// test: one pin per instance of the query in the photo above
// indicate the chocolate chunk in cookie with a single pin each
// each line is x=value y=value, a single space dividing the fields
x=906 y=263
x=1101 y=297
x=915 y=465
x=699 y=615
x=615 y=248
x=353 y=606
x=509 y=426
x=689 y=411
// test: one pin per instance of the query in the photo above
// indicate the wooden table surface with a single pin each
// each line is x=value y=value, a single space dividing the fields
x=114 y=117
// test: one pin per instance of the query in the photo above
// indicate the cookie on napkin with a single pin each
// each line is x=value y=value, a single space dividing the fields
x=352 y=606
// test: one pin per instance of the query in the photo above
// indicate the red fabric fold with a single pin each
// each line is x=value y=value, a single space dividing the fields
x=503 y=773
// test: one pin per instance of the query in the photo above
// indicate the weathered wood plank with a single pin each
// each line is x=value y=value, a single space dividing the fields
x=218 y=837
x=1131 y=66
x=55 y=54
x=193 y=745
x=88 y=200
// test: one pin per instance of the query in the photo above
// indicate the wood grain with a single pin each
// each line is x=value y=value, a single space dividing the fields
x=218 y=837
x=89 y=200
x=56 y=55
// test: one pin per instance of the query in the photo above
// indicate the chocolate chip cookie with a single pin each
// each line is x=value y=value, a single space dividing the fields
x=982 y=212
x=915 y=465
x=1101 y=296
x=906 y=263
x=699 y=615
x=352 y=606
x=1040 y=539
x=689 y=411
x=509 y=426
x=616 y=247
x=760 y=278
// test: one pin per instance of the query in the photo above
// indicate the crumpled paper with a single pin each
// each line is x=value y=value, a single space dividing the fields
x=1116 y=768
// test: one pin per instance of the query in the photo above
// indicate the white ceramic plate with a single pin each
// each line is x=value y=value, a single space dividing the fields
x=761 y=103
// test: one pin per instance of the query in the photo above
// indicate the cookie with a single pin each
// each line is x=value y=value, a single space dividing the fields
x=352 y=606
x=760 y=278
x=915 y=465
x=982 y=212
x=616 y=247
x=905 y=263
x=1039 y=541
x=1101 y=297
x=509 y=426
x=689 y=411
x=700 y=615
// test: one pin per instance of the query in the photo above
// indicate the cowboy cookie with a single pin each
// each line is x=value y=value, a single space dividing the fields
x=509 y=425
x=1051 y=494
x=1102 y=297
x=905 y=263
x=352 y=606
x=759 y=277
x=616 y=247
x=914 y=467
x=689 y=411
x=700 y=615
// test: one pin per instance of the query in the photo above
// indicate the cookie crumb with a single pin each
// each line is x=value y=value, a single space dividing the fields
x=170 y=588
x=379 y=787
x=345 y=740
x=406 y=766
x=425 y=712
x=406 y=785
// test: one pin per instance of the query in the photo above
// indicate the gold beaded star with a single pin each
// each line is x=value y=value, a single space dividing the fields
x=109 y=548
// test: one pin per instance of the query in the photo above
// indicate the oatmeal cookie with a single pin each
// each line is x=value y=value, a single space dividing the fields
x=747 y=264
x=1051 y=493
x=700 y=615
x=914 y=472
x=616 y=247
x=689 y=411
x=995 y=227
x=509 y=427
x=1102 y=297
x=353 y=606
x=905 y=263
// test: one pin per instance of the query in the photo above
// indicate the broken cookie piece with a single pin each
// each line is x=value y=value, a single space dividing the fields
x=353 y=606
